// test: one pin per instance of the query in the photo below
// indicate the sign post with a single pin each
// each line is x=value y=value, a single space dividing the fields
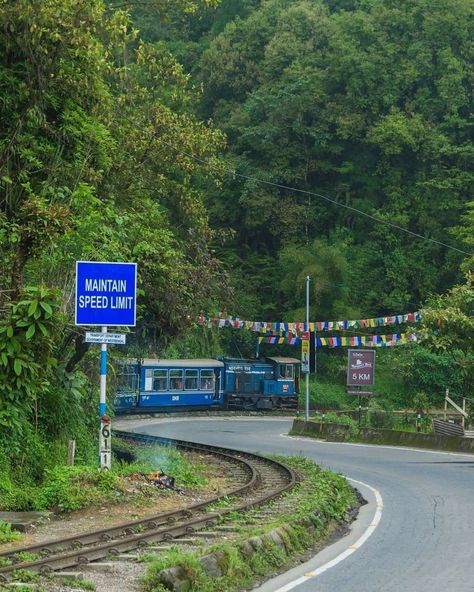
x=361 y=372
x=105 y=436
x=105 y=296
x=305 y=351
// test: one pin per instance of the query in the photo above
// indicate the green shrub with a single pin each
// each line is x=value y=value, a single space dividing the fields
x=338 y=419
x=71 y=488
x=379 y=415
x=79 y=583
x=378 y=418
x=325 y=396
x=15 y=496
x=7 y=534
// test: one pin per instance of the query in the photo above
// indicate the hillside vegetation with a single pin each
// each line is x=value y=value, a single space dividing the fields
x=230 y=149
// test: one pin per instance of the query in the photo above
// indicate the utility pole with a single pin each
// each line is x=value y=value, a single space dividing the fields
x=307 y=328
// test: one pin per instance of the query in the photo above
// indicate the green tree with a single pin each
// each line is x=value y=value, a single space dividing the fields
x=327 y=267
x=465 y=232
x=51 y=63
x=27 y=362
x=448 y=326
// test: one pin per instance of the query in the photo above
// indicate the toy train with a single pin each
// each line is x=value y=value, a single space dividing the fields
x=175 y=385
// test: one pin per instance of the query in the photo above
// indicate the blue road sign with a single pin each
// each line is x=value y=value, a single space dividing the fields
x=106 y=294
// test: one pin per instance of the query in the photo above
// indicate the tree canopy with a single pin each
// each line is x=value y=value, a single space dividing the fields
x=368 y=103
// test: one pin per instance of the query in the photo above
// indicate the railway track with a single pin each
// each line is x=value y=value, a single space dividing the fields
x=262 y=480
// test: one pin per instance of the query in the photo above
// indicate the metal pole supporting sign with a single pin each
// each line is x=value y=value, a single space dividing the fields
x=306 y=352
x=105 y=436
x=105 y=296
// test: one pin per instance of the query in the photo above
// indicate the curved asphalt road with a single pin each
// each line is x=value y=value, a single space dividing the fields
x=425 y=540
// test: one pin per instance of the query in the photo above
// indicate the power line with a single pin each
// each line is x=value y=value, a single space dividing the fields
x=315 y=194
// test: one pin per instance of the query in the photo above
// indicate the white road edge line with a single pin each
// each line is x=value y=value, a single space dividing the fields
x=351 y=549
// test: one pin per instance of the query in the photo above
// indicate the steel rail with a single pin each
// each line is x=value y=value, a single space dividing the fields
x=91 y=546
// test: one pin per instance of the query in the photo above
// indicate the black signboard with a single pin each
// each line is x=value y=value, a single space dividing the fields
x=360 y=367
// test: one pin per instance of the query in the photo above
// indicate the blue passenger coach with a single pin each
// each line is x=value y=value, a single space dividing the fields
x=156 y=384
x=170 y=383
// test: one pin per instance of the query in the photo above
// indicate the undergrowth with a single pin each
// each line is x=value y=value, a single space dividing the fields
x=78 y=583
x=64 y=488
x=7 y=534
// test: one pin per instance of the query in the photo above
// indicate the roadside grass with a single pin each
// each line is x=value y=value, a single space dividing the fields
x=24 y=556
x=4 y=562
x=23 y=588
x=304 y=516
x=68 y=488
x=25 y=576
x=79 y=583
x=173 y=462
x=7 y=534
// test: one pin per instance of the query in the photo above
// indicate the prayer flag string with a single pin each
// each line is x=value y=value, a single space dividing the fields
x=357 y=341
x=294 y=329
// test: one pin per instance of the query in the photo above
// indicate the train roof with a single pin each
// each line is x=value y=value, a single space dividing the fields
x=279 y=360
x=163 y=363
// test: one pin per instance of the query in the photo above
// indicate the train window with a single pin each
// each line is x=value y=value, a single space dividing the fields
x=148 y=379
x=191 y=380
x=286 y=371
x=207 y=380
x=127 y=379
x=160 y=380
x=176 y=380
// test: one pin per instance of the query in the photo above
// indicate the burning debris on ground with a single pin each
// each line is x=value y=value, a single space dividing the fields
x=158 y=479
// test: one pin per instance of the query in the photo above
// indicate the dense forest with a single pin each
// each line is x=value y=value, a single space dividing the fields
x=230 y=149
x=367 y=103
x=349 y=159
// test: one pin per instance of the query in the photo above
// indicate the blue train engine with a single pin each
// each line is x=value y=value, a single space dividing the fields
x=272 y=383
x=176 y=385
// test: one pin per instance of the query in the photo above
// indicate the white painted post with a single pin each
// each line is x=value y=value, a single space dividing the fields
x=105 y=453
x=71 y=451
